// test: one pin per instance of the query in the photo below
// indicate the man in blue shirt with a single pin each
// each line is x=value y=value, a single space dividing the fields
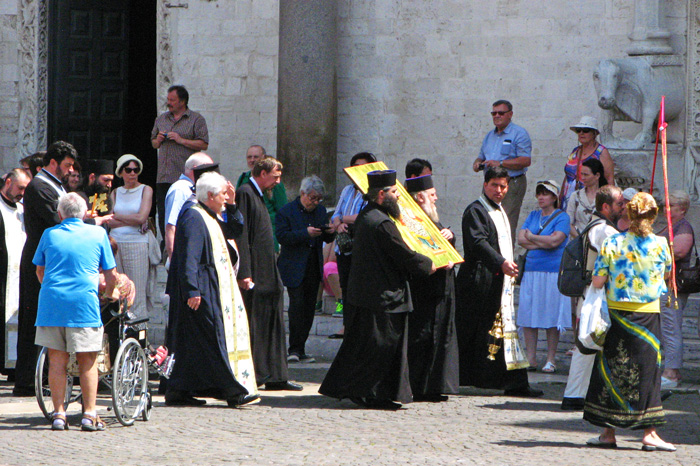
x=68 y=261
x=508 y=146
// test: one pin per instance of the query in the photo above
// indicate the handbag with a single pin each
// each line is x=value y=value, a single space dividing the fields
x=344 y=240
x=522 y=258
x=688 y=279
x=594 y=322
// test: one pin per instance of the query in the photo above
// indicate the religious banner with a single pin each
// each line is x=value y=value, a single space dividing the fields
x=416 y=228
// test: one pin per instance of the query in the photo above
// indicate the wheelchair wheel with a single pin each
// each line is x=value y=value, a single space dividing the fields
x=41 y=386
x=129 y=382
x=146 y=413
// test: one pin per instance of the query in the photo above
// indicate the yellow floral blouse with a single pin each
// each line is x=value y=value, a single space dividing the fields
x=636 y=266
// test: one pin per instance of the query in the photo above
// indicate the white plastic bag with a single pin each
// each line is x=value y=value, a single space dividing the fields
x=595 y=320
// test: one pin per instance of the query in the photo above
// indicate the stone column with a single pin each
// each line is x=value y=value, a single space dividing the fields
x=307 y=108
x=649 y=35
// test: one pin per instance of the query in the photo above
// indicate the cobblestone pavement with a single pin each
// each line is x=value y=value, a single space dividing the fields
x=475 y=427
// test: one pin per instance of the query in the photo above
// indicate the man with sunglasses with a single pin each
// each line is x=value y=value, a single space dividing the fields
x=507 y=145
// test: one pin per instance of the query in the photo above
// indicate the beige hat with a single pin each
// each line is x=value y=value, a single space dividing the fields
x=586 y=122
x=125 y=160
x=550 y=185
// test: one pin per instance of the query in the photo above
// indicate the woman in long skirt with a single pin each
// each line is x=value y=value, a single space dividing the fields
x=625 y=384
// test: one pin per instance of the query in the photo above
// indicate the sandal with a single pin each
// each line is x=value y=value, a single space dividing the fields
x=549 y=368
x=94 y=423
x=59 y=422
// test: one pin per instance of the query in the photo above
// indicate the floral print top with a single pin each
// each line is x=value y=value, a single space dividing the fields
x=636 y=266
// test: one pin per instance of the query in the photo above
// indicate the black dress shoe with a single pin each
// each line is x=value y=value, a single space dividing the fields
x=525 y=392
x=242 y=400
x=182 y=399
x=290 y=386
x=388 y=405
x=23 y=391
x=431 y=398
x=572 y=404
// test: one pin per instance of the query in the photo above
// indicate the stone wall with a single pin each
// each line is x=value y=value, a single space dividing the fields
x=9 y=84
x=225 y=53
x=417 y=79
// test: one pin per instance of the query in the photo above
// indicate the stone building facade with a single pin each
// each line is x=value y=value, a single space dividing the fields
x=413 y=78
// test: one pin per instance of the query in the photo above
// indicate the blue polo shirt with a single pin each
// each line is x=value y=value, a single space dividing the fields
x=546 y=260
x=72 y=253
x=512 y=142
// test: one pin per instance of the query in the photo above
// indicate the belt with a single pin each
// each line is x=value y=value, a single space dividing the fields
x=517 y=176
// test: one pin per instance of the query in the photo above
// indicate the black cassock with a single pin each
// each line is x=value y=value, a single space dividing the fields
x=372 y=360
x=197 y=338
x=478 y=285
x=433 y=360
x=264 y=302
x=40 y=213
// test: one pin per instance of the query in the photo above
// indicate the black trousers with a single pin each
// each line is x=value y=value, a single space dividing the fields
x=161 y=192
x=302 y=306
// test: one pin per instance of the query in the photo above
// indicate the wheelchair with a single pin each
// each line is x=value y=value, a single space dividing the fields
x=127 y=378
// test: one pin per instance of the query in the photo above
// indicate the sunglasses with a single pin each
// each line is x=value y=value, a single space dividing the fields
x=583 y=130
x=499 y=113
x=130 y=170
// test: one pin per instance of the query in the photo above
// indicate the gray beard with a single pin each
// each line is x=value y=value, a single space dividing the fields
x=431 y=211
x=391 y=206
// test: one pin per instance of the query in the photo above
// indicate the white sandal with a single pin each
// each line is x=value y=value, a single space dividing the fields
x=549 y=368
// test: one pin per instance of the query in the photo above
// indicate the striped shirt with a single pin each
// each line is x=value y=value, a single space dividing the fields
x=172 y=156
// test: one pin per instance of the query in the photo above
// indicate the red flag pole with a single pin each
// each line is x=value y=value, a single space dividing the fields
x=664 y=160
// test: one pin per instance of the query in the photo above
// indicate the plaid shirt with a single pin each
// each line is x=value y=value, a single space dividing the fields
x=172 y=156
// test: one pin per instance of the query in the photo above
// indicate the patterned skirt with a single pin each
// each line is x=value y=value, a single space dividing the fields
x=625 y=388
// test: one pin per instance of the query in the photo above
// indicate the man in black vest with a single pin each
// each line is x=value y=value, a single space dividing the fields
x=371 y=367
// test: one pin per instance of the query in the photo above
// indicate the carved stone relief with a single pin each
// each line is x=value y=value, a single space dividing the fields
x=33 y=83
x=164 y=78
x=692 y=156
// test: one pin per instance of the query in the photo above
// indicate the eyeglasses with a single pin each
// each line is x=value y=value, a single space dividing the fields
x=130 y=170
x=499 y=113
x=316 y=198
x=582 y=130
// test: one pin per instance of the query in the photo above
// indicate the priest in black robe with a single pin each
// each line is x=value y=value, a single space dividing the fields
x=433 y=360
x=12 y=238
x=371 y=367
x=260 y=280
x=212 y=355
x=40 y=213
x=480 y=293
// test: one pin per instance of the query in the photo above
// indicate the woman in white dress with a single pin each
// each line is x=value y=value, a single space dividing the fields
x=132 y=205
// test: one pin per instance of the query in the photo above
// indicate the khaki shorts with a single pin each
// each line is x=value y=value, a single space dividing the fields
x=70 y=339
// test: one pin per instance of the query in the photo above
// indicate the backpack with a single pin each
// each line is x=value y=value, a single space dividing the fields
x=573 y=276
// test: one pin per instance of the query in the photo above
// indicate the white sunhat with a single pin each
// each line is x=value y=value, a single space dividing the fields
x=586 y=122
x=550 y=185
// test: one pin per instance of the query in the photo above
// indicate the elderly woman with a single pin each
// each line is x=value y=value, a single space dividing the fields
x=132 y=204
x=672 y=319
x=544 y=235
x=589 y=147
x=582 y=203
x=302 y=228
x=624 y=389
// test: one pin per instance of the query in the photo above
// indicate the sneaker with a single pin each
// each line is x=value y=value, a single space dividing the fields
x=338 y=309
x=306 y=358
x=319 y=308
x=293 y=357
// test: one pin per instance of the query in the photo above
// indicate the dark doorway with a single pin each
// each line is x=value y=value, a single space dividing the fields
x=102 y=78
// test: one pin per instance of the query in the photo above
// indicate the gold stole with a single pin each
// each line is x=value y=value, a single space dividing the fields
x=512 y=349
x=232 y=308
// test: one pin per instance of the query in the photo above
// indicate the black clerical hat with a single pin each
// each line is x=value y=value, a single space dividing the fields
x=100 y=167
x=381 y=178
x=202 y=169
x=419 y=183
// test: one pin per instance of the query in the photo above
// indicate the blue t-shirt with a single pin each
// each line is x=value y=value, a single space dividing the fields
x=72 y=253
x=546 y=260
